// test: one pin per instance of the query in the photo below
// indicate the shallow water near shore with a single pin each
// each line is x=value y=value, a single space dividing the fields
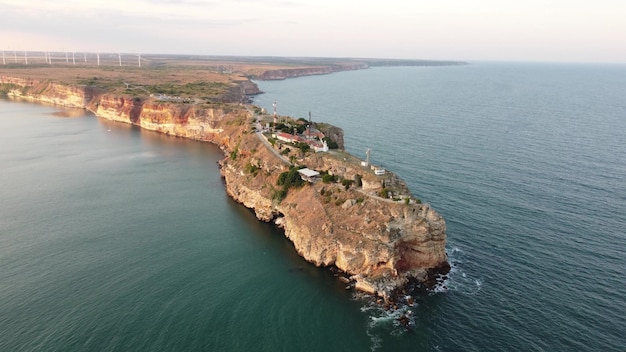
x=113 y=238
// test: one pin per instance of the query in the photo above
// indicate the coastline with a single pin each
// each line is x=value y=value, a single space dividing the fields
x=381 y=246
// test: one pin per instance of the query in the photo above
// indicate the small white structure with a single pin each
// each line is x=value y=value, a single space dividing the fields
x=308 y=174
x=366 y=162
x=319 y=147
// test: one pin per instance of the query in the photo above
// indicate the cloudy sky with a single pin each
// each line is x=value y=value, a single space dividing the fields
x=523 y=30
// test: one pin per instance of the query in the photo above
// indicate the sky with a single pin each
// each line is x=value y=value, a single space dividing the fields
x=493 y=30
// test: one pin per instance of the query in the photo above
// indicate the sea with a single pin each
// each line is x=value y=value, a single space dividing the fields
x=113 y=238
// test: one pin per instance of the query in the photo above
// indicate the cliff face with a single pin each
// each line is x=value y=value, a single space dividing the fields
x=51 y=93
x=308 y=71
x=380 y=243
x=183 y=120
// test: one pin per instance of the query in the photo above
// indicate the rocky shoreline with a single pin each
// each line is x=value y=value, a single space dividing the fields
x=381 y=245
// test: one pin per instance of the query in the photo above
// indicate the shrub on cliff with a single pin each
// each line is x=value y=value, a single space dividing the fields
x=328 y=178
x=252 y=169
x=290 y=178
x=303 y=147
x=330 y=143
x=358 y=180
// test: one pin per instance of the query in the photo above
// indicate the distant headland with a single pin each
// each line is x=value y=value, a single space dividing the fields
x=339 y=211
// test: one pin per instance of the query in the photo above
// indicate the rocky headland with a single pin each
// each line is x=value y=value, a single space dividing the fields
x=368 y=226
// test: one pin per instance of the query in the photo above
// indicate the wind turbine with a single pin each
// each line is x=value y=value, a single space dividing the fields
x=73 y=59
x=26 y=57
x=15 y=56
x=67 y=58
x=4 y=62
x=119 y=56
x=85 y=56
x=98 y=58
x=139 y=59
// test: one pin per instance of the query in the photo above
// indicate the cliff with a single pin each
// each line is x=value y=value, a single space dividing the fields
x=380 y=243
x=284 y=73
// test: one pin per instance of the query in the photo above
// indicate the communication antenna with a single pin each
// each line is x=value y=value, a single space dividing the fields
x=275 y=117
x=308 y=127
x=119 y=56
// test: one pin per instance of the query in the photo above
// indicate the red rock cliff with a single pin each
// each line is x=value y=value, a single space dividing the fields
x=380 y=243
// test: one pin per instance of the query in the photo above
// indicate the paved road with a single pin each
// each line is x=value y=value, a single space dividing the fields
x=263 y=139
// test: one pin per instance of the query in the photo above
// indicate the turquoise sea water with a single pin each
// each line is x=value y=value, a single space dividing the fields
x=117 y=239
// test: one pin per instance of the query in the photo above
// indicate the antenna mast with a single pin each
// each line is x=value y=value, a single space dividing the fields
x=308 y=127
x=275 y=117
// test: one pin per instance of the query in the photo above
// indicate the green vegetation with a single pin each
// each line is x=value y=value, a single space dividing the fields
x=252 y=169
x=7 y=87
x=303 y=147
x=206 y=90
x=330 y=143
x=384 y=193
x=233 y=154
x=328 y=178
x=347 y=183
x=288 y=179
x=358 y=180
x=289 y=128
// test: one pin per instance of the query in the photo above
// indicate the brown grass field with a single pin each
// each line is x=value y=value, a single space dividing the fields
x=168 y=74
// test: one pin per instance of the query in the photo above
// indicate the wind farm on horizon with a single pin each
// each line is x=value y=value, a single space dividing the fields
x=14 y=57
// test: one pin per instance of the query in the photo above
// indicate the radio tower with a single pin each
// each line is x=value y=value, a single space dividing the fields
x=275 y=116
x=308 y=127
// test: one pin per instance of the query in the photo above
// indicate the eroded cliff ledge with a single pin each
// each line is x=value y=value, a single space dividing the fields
x=380 y=243
x=284 y=73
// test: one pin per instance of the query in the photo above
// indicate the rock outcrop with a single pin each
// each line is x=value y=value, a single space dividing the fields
x=380 y=242
x=284 y=73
